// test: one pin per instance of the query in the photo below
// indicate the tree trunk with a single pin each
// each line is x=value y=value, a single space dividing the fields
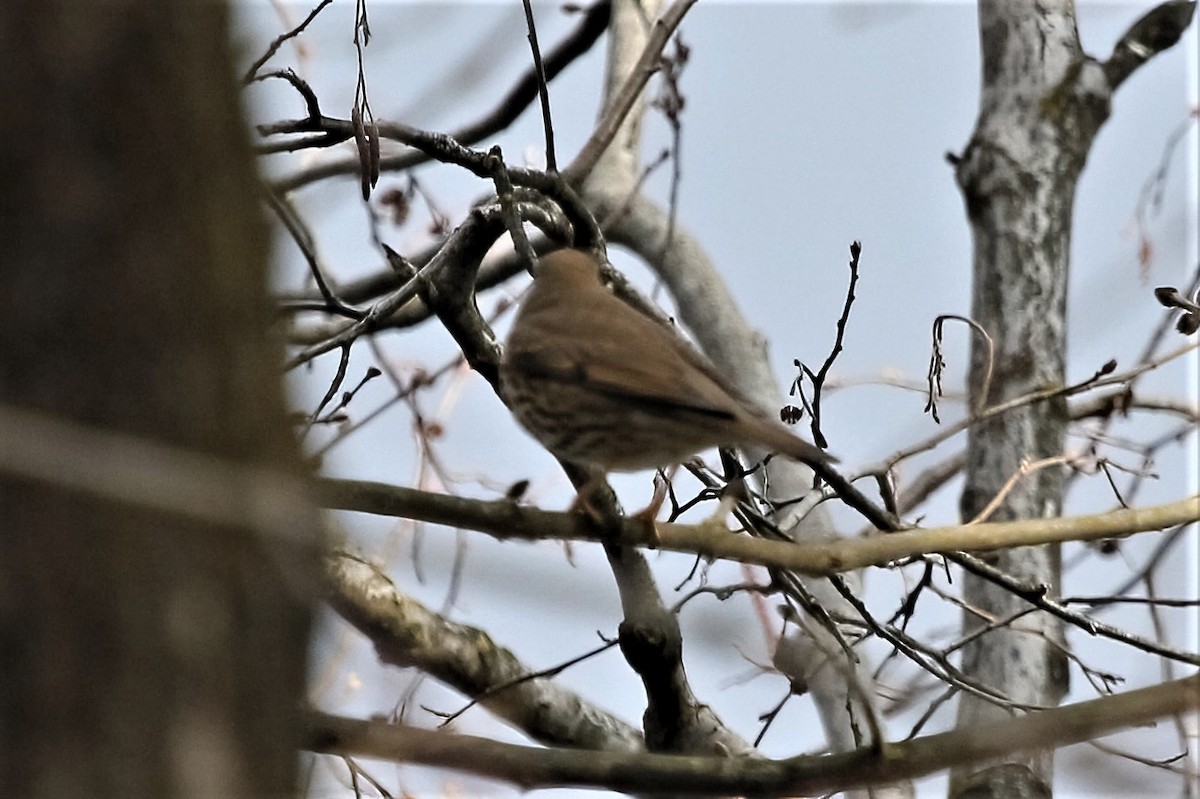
x=145 y=651
x=1018 y=176
x=1042 y=102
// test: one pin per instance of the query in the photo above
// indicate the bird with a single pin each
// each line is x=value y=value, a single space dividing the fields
x=601 y=384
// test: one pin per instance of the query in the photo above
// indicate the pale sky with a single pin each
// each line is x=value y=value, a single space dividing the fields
x=807 y=126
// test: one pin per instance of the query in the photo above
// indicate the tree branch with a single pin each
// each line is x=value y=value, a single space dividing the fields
x=406 y=633
x=531 y=767
x=1157 y=30
x=505 y=519
x=523 y=92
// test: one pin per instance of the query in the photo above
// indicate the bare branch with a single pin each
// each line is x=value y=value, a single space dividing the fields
x=507 y=520
x=615 y=112
x=406 y=633
x=531 y=767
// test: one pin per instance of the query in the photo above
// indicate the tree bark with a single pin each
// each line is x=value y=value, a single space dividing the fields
x=1043 y=101
x=146 y=651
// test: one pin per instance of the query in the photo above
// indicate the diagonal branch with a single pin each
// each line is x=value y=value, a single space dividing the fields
x=406 y=633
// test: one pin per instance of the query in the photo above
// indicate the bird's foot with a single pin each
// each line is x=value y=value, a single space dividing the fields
x=597 y=503
x=647 y=515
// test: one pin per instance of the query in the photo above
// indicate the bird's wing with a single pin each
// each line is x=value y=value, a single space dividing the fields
x=658 y=372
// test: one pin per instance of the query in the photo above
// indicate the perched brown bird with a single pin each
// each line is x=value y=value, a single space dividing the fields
x=599 y=383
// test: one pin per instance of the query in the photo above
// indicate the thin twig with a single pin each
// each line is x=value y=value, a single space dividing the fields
x=1024 y=470
x=543 y=94
x=249 y=77
x=304 y=241
x=523 y=92
x=818 y=379
x=937 y=364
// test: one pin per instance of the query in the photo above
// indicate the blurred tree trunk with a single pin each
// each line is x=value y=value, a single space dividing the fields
x=1042 y=102
x=142 y=652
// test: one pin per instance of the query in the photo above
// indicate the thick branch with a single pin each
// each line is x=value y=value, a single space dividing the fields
x=1158 y=29
x=530 y=767
x=406 y=633
x=618 y=107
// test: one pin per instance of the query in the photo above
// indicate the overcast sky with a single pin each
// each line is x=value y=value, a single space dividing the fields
x=807 y=126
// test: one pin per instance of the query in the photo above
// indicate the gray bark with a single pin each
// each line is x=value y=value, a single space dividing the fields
x=1043 y=100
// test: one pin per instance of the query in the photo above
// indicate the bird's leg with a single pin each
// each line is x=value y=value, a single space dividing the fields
x=648 y=514
x=606 y=514
x=583 y=497
x=595 y=500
